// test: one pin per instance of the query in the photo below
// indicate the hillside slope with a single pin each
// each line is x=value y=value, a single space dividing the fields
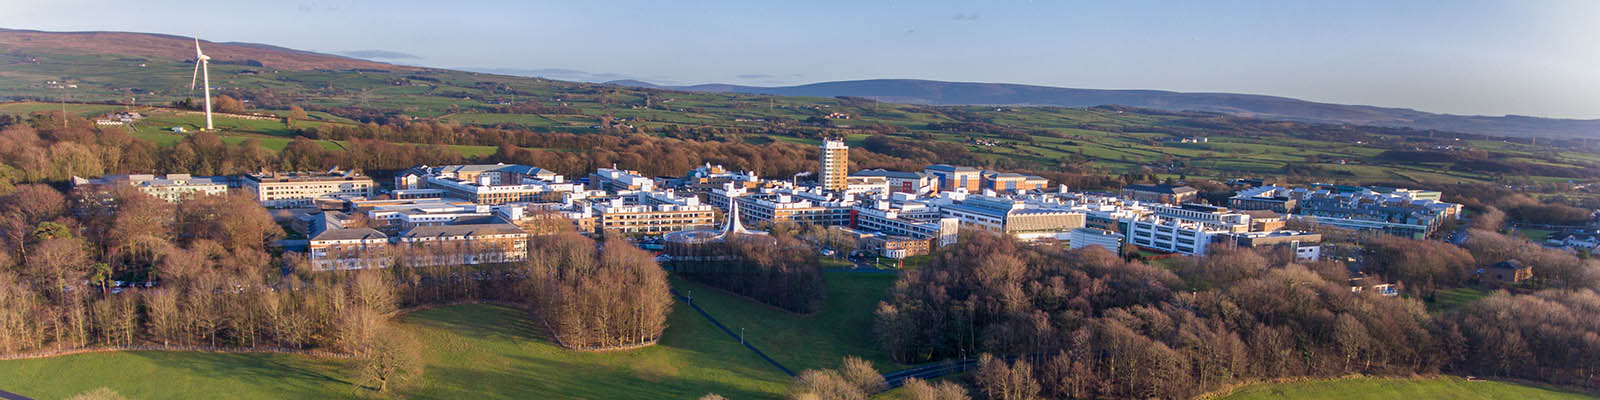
x=177 y=48
x=913 y=91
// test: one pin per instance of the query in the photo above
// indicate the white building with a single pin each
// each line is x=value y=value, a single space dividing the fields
x=1188 y=229
x=918 y=183
x=1085 y=237
x=488 y=184
x=171 y=187
x=1010 y=216
x=301 y=189
x=617 y=180
x=904 y=218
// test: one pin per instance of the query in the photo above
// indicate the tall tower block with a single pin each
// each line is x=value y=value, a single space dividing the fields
x=834 y=165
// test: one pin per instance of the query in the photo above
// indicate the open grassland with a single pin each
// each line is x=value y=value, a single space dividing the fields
x=818 y=340
x=489 y=351
x=157 y=126
x=472 y=351
x=1438 y=388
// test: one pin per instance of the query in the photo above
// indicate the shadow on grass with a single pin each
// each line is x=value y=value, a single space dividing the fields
x=288 y=375
x=480 y=321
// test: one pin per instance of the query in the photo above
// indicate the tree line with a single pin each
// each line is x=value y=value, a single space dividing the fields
x=613 y=297
x=1085 y=323
x=778 y=270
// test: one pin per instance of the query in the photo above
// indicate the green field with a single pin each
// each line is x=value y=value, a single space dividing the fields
x=1450 y=299
x=487 y=351
x=1440 y=388
x=818 y=340
x=473 y=351
x=1115 y=141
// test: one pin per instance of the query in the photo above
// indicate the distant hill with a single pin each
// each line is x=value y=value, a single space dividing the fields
x=914 y=91
x=159 y=46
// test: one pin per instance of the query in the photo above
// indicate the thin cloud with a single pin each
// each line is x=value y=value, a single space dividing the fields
x=755 y=76
x=965 y=17
x=379 y=55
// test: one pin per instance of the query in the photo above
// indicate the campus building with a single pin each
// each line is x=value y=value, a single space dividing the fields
x=708 y=177
x=1304 y=245
x=1010 y=182
x=1013 y=217
x=171 y=188
x=616 y=180
x=487 y=184
x=652 y=213
x=1085 y=237
x=353 y=248
x=1188 y=229
x=917 y=183
x=1400 y=212
x=833 y=165
x=302 y=189
x=1162 y=193
x=803 y=207
x=485 y=240
x=952 y=178
x=1272 y=198
x=908 y=219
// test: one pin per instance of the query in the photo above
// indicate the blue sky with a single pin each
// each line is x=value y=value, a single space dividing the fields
x=1537 y=58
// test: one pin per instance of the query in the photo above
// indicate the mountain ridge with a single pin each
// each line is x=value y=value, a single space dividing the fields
x=160 y=45
x=931 y=92
x=18 y=42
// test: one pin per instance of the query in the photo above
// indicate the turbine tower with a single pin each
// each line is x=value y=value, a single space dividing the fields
x=202 y=70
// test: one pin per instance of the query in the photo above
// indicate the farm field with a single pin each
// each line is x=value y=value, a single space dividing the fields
x=1437 y=388
x=1096 y=140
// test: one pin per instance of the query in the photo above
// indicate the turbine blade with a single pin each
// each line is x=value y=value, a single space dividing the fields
x=197 y=53
x=196 y=75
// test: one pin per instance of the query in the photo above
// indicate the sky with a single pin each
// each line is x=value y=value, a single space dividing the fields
x=1527 y=57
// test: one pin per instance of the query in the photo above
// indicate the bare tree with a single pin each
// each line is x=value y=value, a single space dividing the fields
x=391 y=357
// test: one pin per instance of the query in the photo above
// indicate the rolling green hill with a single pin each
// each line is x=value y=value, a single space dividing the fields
x=1094 y=140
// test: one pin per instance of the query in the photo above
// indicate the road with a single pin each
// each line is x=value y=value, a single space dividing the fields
x=928 y=371
x=12 y=396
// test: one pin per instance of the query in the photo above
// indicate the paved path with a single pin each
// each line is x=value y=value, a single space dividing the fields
x=928 y=371
x=730 y=333
x=12 y=396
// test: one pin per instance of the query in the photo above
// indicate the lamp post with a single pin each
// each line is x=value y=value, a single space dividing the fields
x=741 y=335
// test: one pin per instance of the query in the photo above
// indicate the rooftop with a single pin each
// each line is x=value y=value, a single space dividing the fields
x=1161 y=188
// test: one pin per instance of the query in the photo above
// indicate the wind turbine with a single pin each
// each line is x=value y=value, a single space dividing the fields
x=202 y=70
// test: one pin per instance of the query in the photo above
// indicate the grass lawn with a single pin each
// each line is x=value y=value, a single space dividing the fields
x=484 y=351
x=819 y=340
x=473 y=351
x=1535 y=235
x=1444 y=387
x=155 y=374
x=1450 y=299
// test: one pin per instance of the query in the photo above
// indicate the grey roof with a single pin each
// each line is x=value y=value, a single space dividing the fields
x=466 y=229
x=1509 y=264
x=350 y=234
x=948 y=167
x=890 y=174
x=513 y=168
x=1162 y=188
